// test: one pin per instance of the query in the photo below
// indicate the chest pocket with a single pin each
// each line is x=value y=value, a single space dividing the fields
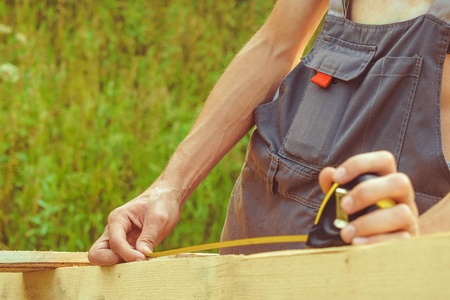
x=367 y=108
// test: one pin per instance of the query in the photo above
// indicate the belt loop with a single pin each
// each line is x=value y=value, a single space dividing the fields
x=271 y=174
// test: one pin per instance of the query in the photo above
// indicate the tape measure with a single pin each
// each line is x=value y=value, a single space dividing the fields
x=331 y=218
x=234 y=243
x=329 y=221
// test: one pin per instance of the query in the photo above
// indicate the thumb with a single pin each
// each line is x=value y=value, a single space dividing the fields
x=326 y=179
x=148 y=239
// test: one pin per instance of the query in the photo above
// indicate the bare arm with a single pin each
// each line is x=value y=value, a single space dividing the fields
x=436 y=219
x=251 y=79
x=135 y=228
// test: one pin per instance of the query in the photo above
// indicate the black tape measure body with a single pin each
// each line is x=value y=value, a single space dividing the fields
x=325 y=233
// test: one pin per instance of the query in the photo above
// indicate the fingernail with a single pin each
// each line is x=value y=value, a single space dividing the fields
x=347 y=203
x=360 y=241
x=140 y=259
x=147 y=250
x=348 y=232
x=339 y=174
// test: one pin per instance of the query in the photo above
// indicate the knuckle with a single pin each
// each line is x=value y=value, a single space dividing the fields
x=148 y=239
x=160 y=218
x=403 y=185
x=402 y=180
x=361 y=192
x=113 y=215
x=114 y=245
x=145 y=197
x=387 y=157
x=91 y=256
x=405 y=215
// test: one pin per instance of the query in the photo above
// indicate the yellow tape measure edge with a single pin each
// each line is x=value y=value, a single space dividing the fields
x=385 y=203
x=226 y=244
x=325 y=201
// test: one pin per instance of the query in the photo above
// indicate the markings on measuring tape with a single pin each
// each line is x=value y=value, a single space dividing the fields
x=234 y=243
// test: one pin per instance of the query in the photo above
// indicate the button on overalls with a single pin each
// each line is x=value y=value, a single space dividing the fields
x=385 y=95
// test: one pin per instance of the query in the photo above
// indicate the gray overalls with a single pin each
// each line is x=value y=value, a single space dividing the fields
x=385 y=94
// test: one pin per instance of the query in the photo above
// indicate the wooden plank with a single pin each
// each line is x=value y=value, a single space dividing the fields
x=407 y=269
x=33 y=261
x=30 y=261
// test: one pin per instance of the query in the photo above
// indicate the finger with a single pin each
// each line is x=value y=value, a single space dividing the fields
x=151 y=232
x=133 y=235
x=397 y=218
x=118 y=229
x=326 y=179
x=395 y=186
x=100 y=253
x=380 y=162
x=103 y=257
x=381 y=238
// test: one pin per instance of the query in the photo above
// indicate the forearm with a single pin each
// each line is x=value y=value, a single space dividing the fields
x=436 y=219
x=251 y=79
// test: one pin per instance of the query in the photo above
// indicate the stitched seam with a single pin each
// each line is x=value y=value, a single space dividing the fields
x=296 y=114
x=350 y=75
x=371 y=107
x=303 y=174
x=300 y=161
x=294 y=197
x=364 y=51
x=299 y=66
x=262 y=176
x=340 y=126
x=394 y=75
x=409 y=103
x=329 y=39
x=433 y=198
x=299 y=199
x=285 y=165
x=437 y=115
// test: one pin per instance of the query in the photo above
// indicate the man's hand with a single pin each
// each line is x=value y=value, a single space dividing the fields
x=400 y=221
x=135 y=228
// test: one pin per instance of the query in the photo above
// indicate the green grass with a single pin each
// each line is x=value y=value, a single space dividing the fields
x=107 y=91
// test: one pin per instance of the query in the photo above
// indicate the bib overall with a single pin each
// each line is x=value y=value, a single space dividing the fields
x=385 y=95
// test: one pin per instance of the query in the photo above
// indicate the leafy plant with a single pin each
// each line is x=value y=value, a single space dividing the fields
x=106 y=91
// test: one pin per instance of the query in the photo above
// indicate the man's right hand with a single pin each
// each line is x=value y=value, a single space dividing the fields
x=135 y=228
x=226 y=117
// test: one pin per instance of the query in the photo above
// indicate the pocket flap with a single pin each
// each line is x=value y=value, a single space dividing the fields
x=338 y=58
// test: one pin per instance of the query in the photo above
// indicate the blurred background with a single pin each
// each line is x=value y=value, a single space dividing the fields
x=95 y=96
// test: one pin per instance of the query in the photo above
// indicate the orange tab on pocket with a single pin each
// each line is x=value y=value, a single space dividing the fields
x=322 y=79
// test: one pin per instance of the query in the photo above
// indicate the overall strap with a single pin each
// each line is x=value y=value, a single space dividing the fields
x=338 y=8
x=441 y=10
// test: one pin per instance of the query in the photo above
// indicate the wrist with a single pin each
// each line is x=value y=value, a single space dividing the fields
x=168 y=188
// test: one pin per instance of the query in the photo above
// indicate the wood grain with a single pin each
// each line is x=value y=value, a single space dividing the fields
x=407 y=269
x=30 y=261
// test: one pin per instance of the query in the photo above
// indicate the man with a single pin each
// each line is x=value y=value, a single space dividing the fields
x=382 y=77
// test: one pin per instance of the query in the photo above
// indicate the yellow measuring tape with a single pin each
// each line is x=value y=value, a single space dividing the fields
x=227 y=244
x=246 y=242
x=325 y=201
x=385 y=203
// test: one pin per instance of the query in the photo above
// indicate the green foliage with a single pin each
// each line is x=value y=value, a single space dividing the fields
x=107 y=90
